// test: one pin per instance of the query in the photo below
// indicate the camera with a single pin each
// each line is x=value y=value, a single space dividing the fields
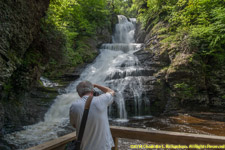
x=96 y=93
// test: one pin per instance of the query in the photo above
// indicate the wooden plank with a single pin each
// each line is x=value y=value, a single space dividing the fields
x=115 y=139
x=165 y=137
x=56 y=143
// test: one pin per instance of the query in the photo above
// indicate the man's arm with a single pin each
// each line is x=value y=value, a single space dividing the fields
x=104 y=89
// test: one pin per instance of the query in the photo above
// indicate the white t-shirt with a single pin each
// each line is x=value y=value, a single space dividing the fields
x=97 y=134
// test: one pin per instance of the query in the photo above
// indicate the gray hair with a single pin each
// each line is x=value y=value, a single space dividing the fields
x=84 y=87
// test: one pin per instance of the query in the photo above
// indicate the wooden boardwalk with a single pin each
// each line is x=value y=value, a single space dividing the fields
x=162 y=137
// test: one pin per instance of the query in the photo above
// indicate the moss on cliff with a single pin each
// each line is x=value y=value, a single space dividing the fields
x=190 y=34
x=19 y=26
x=20 y=23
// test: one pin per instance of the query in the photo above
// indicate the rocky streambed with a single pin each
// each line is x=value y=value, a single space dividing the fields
x=193 y=122
x=197 y=123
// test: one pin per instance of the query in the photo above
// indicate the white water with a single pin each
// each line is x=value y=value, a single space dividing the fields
x=47 y=83
x=116 y=67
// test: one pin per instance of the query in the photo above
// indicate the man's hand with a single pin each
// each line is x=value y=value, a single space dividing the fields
x=104 y=89
x=94 y=85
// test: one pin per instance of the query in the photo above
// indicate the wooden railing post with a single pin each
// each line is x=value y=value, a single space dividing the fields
x=115 y=139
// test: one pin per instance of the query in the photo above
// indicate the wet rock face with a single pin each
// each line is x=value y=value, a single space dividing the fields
x=180 y=80
x=1 y=118
x=28 y=108
x=153 y=58
x=19 y=26
x=20 y=23
x=104 y=36
x=154 y=90
x=139 y=34
x=216 y=87
x=1 y=89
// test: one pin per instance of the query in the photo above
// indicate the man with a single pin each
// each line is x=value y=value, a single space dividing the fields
x=97 y=134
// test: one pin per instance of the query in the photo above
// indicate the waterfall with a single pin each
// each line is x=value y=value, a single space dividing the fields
x=116 y=67
x=47 y=83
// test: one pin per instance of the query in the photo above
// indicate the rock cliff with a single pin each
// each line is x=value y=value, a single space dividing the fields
x=19 y=26
x=181 y=80
x=20 y=23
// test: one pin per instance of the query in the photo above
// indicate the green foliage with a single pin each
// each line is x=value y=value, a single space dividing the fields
x=211 y=38
x=223 y=97
x=95 y=11
x=65 y=27
x=31 y=58
x=77 y=17
x=7 y=87
x=13 y=57
x=198 y=23
x=123 y=7
x=184 y=90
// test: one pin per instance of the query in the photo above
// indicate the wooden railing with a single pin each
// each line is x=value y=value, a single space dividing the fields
x=162 y=137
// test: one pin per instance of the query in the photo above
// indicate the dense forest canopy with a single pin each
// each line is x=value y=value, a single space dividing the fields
x=75 y=20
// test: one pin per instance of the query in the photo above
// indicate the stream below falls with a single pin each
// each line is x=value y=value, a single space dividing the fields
x=118 y=68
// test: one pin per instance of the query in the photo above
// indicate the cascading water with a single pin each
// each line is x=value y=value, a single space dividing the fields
x=116 y=67
x=47 y=83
